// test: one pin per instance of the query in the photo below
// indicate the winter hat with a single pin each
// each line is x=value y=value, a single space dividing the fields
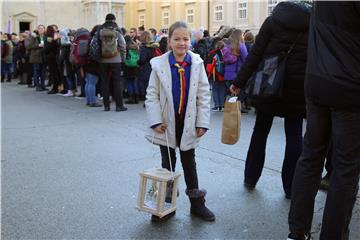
x=110 y=17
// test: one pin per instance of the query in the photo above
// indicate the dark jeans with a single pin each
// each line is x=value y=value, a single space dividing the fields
x=256 y=153
x=343 y=129
x=187 y=159
x=39 y=74
x=132 y=85
x=113 y=71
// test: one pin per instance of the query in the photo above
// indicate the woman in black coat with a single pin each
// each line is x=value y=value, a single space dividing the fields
x=287 y=25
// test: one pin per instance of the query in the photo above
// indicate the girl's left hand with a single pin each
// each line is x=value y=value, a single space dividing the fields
x=200 y=132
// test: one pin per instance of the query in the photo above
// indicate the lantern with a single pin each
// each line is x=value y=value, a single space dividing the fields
x=158 y=191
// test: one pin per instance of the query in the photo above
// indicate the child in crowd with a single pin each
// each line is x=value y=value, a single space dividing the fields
x=178 y=107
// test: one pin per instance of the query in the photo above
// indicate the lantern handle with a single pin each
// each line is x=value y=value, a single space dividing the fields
x=168 y=148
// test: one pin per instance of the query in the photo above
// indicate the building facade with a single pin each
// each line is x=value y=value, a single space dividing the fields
x=159 y=14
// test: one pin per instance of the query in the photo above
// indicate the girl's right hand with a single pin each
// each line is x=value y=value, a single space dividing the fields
x=161 y=128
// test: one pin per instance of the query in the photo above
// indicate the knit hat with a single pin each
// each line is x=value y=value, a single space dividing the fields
x=110 y=17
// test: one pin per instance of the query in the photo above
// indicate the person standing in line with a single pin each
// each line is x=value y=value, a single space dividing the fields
x=36 y=47
x=180 y=113
x=332 y=90
x=113 y=51
x=286 y=28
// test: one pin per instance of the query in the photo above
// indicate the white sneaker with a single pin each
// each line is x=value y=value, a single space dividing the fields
x=69 y=94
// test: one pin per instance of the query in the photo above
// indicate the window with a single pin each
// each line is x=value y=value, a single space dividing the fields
x=271 y=5
x=142 y=20
x=242 y=10
x=190 y=16
x=165 y=17
x=219 y=11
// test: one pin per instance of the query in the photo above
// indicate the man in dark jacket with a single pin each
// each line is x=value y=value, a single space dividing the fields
x=332 y=90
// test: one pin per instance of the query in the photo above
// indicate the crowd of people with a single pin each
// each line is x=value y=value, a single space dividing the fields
x=63 y=61
x=109 y=60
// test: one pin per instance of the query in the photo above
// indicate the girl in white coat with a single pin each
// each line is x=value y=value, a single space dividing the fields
x=178 y=107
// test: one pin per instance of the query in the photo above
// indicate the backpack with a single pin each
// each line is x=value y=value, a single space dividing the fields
x=80 y=47
x=109 y=42
x=156 y=52
x=132 y=58
x=94 y=51
x=215 y=68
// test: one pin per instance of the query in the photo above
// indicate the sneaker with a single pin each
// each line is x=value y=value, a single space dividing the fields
x=121 y=109
x=69 y=94
x=52 y=91
x=215 y=109
x=298 y=237
x=221 y=109
x=95 y=105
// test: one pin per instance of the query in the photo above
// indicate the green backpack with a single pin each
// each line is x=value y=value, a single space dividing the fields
x=132 y=58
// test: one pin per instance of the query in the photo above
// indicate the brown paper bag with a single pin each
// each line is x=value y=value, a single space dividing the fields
x=231 y=123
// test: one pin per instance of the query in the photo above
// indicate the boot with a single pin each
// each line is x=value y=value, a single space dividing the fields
x=198 y=208
x=131 y=100
x=168 y=198
x=2 y=78
x=9 y=78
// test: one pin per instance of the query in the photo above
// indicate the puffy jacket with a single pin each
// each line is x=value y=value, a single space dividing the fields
x=232 y=62
x=146 y=54
x=288 y=23
x=333 y=73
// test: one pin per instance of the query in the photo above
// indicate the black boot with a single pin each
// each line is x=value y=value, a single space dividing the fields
x=9 y=78
x=131 y=100
x=198 y=208
x=2 y=78
x=168 y=199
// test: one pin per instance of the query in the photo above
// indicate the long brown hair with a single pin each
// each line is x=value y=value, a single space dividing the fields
x=236 y=38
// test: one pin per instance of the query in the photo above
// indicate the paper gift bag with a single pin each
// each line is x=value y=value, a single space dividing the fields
x=231 y=122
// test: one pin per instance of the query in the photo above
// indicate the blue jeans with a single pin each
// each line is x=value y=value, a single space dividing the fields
x=132 y=85
x=70 y=83
x=6 y=69
x=256 y=154
x=218 y=91
x=39 y=74
x=90 y=87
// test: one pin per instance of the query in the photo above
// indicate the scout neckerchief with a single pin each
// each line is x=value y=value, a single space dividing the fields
x=181 y=71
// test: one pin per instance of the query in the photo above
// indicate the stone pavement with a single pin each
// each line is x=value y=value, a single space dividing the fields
x=71 y=172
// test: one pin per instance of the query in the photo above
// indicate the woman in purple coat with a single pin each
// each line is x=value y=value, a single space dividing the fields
x=234 y=55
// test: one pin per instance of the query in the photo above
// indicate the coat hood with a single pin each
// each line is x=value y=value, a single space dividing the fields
x=65 y=39
x=292 y=15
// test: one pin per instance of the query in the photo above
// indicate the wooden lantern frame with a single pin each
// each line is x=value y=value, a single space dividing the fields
x=161 y=176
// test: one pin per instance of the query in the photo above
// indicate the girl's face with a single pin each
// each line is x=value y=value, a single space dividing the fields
x=180 y=41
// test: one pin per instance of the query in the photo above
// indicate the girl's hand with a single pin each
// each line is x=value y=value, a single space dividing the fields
x=200 y=132
x=161 y=128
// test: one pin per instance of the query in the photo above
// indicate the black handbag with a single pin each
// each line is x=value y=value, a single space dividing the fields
x=267 y=82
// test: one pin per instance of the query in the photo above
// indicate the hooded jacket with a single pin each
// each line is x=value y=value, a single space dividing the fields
x=333 y=73
x=146 y=54
x=288 y=23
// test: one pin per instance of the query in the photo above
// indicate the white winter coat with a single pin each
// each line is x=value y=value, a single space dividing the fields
x=160 y=107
